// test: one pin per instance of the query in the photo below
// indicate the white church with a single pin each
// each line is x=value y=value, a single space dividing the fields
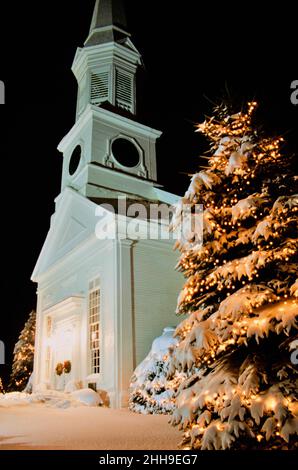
x=105 y=288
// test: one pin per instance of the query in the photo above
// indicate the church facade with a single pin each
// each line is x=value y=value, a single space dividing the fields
x=106 y=280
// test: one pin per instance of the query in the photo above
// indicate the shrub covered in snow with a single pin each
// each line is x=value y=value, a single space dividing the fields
x=151 y=389
x=52 y=398
x=72 y=386
x=87 y=396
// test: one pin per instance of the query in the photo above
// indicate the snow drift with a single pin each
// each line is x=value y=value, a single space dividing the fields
x=52 y=398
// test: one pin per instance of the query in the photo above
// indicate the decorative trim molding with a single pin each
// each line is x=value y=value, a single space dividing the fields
x=65 y=306
x=112 y=162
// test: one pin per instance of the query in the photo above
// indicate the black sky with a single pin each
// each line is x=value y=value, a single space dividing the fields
x=193 y=51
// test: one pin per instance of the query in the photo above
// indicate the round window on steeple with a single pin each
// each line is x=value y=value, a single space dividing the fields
x=75 y=160
x=125 y=152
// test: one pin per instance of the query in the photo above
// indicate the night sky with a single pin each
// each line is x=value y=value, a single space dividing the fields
x=193 y=53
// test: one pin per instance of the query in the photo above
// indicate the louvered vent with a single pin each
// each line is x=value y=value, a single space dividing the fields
x=124 y=91
x=99 y=87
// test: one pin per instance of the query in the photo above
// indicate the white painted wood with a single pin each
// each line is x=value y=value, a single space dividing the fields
x=95 y=132
x=138 y=284
x=155 y=288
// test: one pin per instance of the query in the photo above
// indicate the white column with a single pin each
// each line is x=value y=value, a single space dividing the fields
x=38 y=341
x=125 y=320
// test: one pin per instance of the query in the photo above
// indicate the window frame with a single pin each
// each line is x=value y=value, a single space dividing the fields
x=94 y=326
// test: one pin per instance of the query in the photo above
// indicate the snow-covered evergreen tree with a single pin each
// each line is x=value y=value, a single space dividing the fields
x=22 y=366
x=151 y=391
x=240 y=293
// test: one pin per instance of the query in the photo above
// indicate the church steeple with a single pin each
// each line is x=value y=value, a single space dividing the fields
x=107 y=152
x=108 y=23
x=106 y=66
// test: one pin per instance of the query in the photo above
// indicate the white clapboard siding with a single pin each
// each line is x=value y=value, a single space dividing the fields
x=156 y=289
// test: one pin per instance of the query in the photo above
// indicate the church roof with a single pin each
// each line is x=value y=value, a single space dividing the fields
x=108 y=23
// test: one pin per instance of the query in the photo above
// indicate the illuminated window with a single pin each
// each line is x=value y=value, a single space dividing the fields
x=48 y=350
x=94 y=325
x=48 y=362
x=49 y=326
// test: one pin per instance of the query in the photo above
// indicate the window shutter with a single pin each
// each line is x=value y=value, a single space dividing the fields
x=124 y=90
x=99 y=87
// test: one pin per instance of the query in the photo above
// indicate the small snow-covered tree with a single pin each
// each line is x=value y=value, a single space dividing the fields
x=22 y=366
x=240 y=293
x=151 y=390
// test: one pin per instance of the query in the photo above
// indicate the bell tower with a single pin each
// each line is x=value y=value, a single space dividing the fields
x=108 y=152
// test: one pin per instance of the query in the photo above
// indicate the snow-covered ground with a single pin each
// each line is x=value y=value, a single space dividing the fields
x=79 y=427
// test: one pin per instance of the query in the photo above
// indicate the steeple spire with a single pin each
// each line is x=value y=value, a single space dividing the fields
x=108 y=23
x=106 y=67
